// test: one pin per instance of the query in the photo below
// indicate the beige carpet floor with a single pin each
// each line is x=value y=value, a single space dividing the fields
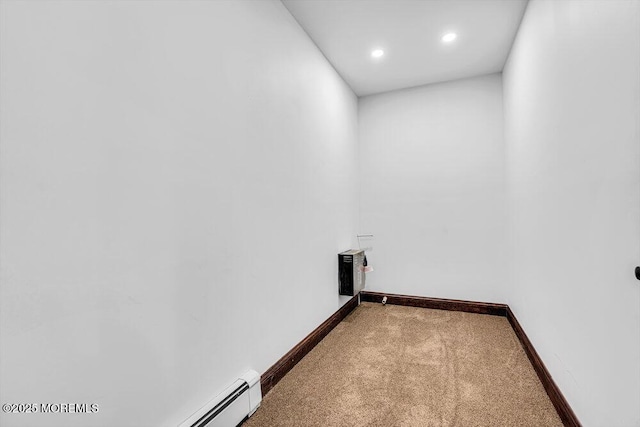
x=387 y=365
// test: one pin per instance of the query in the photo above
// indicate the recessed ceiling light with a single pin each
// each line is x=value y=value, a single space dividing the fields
x=449 y=37
x=377 y=53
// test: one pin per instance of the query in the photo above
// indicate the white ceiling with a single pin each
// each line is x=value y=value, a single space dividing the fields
x=409 y=31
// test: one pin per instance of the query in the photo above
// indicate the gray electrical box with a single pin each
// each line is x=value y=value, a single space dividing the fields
x=351 y=272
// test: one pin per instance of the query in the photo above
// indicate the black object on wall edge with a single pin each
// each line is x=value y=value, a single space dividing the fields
x=638 y=273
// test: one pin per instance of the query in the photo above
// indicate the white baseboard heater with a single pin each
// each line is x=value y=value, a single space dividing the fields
x=231 y=407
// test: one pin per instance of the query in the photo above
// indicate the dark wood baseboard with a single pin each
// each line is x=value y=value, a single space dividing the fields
x=565 y=412
x=289 y=360
x=437 y=303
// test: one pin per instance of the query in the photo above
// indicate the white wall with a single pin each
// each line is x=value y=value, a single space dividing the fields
x=177 y=179
x=433 y=189
x=572 y=116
